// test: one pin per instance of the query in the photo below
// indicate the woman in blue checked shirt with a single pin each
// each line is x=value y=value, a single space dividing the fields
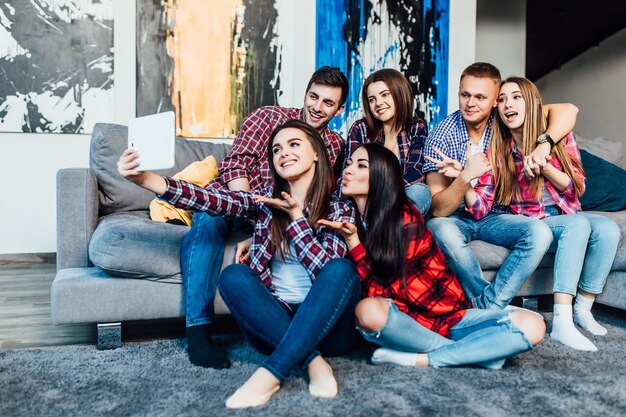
x=294 y=300
x=584 y=244
x=387 y=101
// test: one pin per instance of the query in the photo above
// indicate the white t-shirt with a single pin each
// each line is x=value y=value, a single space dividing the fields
x=476 y=148
x=291 y=280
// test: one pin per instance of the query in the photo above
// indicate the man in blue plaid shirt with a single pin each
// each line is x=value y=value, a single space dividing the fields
x=246 y=167
x=455 y=153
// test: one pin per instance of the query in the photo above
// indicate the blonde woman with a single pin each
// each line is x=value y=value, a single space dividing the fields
x=584 y=244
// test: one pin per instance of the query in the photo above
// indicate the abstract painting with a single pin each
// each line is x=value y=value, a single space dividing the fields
x=56 y=65
x=211 y=61
x=362 y=36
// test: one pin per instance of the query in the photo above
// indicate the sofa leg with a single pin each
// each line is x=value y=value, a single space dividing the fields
x=109 y=336
x=545 y=302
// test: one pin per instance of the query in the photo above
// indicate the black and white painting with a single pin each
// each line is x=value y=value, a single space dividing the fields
x=56 y=65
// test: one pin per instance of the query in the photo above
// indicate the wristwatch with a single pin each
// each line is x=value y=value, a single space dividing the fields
x=546 y=138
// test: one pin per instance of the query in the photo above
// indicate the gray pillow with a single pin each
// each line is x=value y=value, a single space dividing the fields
x=131 y=245
x=115 y=193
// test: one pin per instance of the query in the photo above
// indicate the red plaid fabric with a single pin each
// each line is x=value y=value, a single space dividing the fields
x=432 y=296
x=248 y=156
x=314 y=248
x=529 y=205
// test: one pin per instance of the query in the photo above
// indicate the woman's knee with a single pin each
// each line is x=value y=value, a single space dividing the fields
x=232 y=277
x=540 y=234
x=604 y=228
x=371 y=314
x=339 y=267
x=533 y=327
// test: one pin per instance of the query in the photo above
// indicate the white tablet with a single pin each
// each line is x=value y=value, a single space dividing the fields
x=154 y=139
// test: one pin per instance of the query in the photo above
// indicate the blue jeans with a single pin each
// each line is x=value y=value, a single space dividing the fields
x=482 y=337
x=527 y=238
x=201 y=256
x=419 y=194
x=584 y=246
x=295 y=334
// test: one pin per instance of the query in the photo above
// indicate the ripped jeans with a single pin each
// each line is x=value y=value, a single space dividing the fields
x=482 y=337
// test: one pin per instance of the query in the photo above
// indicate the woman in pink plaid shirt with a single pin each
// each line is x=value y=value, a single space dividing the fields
x=584 y=244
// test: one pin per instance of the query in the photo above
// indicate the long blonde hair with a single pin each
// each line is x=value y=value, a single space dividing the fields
x=501 y=154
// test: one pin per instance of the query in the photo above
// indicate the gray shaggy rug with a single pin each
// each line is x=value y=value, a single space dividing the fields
x=155 y=379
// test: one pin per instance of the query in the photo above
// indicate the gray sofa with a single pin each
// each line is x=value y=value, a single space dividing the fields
x=114 y=264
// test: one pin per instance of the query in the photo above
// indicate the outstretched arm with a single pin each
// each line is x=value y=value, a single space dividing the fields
x=186 y=195
x=127 y=167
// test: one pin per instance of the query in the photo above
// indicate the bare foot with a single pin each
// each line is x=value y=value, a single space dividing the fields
x=256 y=391
x=322 y=382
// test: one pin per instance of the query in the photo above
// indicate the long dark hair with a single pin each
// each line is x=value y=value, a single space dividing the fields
x=318 y=195
x=387 y=238
x=402 y=95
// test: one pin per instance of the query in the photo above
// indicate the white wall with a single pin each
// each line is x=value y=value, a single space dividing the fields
x=501 y=35
x=29 y=162
x=596 y=82
x=462 y=45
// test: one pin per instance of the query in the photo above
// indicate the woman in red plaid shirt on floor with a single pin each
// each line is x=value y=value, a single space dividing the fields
x=415 y=307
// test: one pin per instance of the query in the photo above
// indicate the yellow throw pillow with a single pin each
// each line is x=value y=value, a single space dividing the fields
x=199 y=173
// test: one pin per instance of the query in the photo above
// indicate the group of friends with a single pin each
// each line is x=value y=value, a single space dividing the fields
x=340 y=247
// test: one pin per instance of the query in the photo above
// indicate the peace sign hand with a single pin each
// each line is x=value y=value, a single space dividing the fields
x=447 y=166
x=288 y=204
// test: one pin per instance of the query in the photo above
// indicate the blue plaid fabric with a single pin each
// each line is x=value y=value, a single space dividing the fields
x=450 y=137
x=314 y=248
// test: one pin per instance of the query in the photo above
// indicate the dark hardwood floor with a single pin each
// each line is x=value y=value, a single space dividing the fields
x=25 y=282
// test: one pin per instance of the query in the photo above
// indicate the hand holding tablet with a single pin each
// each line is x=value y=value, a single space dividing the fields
x=154 y=139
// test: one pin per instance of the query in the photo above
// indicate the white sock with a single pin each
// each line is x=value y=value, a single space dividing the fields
x=384 y=355
x=584 y=318
x=564 y=331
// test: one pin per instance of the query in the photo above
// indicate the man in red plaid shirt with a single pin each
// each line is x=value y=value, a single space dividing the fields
x=246 y=167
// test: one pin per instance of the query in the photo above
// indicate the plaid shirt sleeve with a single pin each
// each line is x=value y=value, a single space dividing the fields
x=248 y=147
x=436 y=138
x=362 y=263
x=567 y=199
x=572 y=150
x=413 y=169
x=213 y=200
x=486 y=194
x=316 y=249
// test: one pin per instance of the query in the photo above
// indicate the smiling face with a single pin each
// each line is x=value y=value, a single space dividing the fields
x=477 y=97
x=512 y=106
x=355 y=181
x=293 y=155
x=380 y=102
x=321 y=104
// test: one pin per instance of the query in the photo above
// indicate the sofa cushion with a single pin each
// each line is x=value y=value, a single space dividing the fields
x=606 y=184
x=491 y=257
x=131 y=245
x=609 y=150
x=116 y=194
